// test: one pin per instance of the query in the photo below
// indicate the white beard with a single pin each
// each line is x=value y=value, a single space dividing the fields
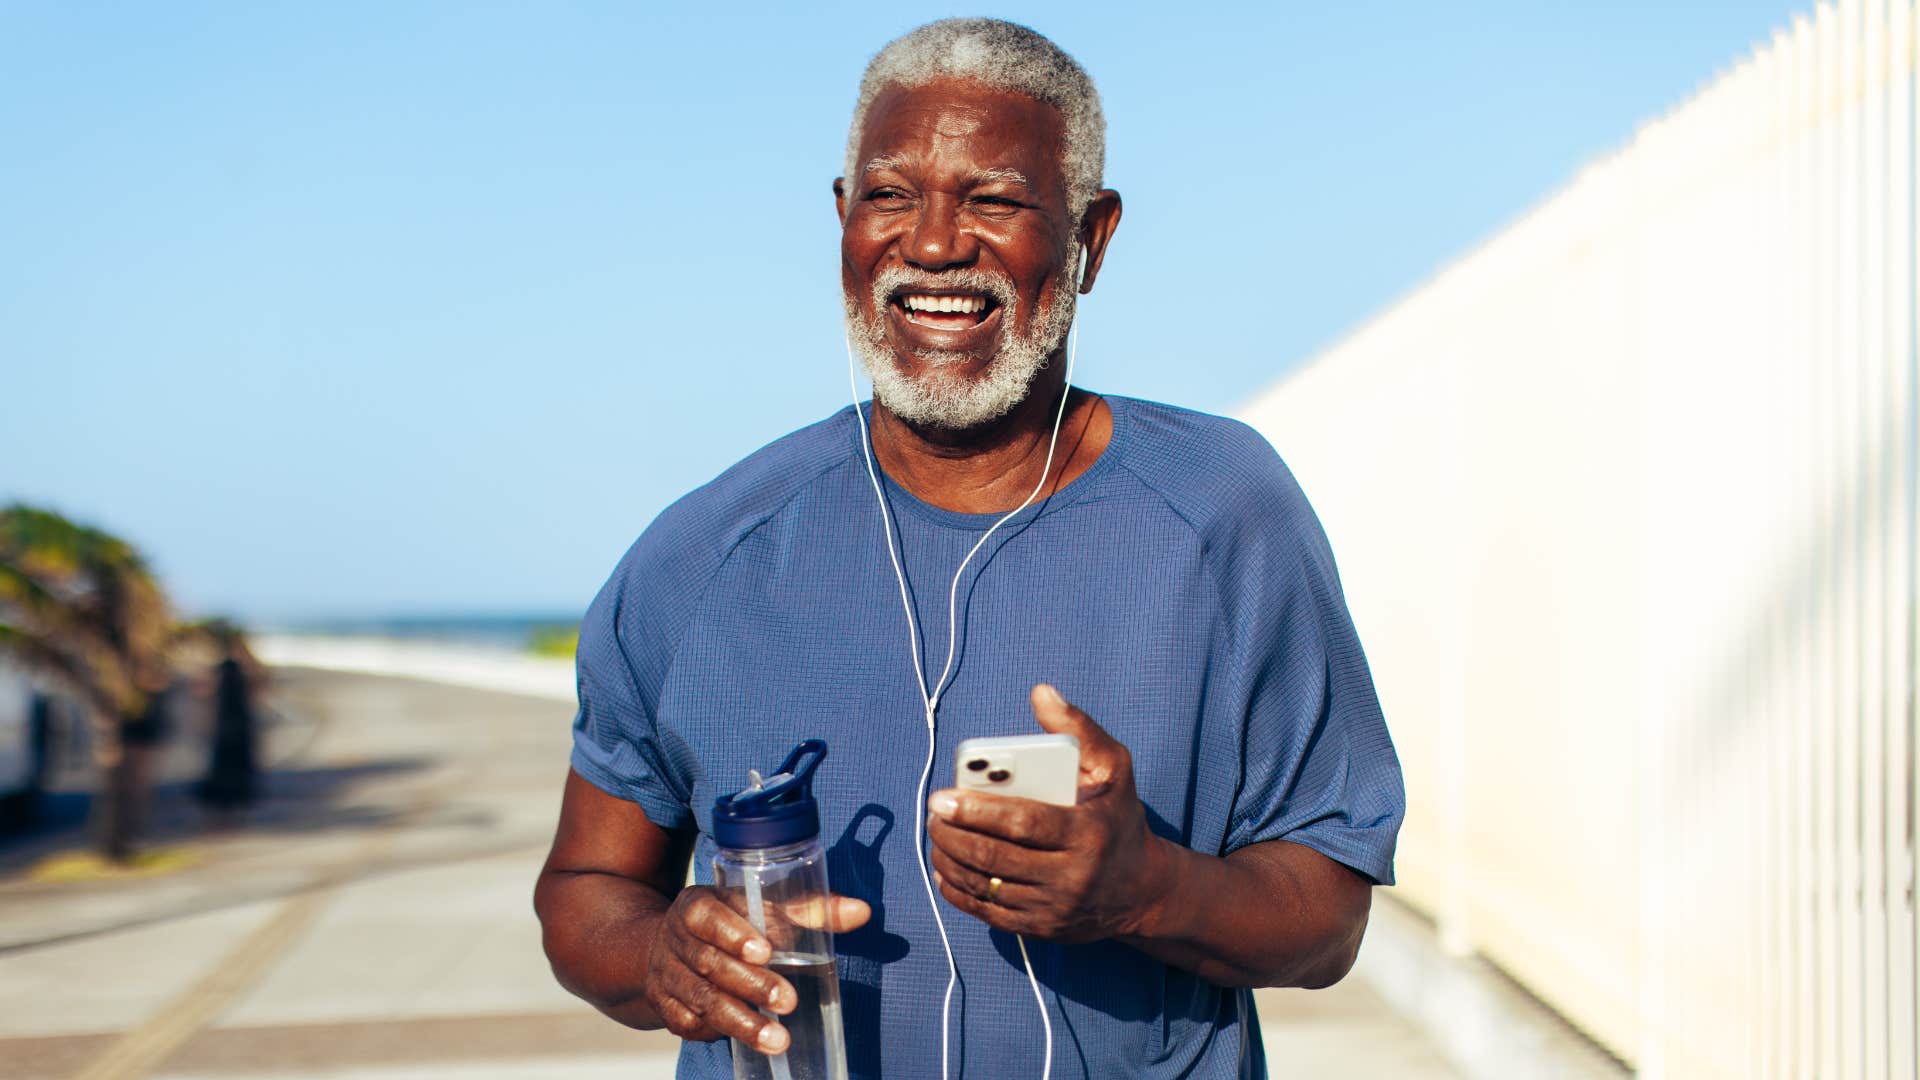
x=941 y=396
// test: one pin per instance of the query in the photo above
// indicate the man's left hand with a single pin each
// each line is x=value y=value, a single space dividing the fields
x=1068 y=873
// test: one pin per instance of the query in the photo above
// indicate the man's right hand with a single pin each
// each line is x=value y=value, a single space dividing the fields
x=623 y=933
x=707 y=974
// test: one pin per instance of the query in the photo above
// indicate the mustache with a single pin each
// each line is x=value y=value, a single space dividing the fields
x=895 y=280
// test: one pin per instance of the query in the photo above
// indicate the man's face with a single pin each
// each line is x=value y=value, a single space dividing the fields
x=955 y=256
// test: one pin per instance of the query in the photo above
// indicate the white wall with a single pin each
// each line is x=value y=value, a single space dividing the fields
x=1624 y=502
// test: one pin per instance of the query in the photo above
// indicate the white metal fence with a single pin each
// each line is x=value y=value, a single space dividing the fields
x=1625 y=505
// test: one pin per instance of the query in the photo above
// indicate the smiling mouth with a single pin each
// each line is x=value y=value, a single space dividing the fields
x=945 y=311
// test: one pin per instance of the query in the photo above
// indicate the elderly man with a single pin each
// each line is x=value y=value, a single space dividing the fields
x=1161 y=591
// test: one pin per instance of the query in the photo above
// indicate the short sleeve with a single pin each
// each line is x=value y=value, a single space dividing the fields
x=617 y=747
x=1317 y=765
x=633 y=629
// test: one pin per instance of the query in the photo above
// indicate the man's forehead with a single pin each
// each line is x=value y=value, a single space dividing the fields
x=1010 y=135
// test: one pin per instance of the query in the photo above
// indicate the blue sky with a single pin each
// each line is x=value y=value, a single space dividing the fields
x=372 y=308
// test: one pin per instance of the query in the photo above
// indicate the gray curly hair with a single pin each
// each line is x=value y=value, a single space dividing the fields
x=1004 y=56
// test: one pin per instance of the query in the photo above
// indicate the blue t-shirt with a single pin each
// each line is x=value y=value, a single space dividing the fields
x=1180 y=591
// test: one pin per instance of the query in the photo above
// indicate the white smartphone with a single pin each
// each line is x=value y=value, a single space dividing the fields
x=1042 y=767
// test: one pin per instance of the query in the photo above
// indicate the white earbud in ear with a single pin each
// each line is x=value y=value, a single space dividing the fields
x=1083 y=267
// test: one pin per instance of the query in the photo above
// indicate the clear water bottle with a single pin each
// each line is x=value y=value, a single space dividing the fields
x=772 y=867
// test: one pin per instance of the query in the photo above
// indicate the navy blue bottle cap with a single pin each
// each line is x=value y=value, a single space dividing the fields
x=776 y=811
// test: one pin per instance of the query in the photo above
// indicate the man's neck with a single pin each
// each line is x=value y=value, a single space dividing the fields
x=993 y=467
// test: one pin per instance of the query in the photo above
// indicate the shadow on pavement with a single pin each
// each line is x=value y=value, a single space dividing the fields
x=362 y=777
x=294 y=801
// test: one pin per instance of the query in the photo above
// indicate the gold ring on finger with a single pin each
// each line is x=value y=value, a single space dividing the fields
x=993 y=889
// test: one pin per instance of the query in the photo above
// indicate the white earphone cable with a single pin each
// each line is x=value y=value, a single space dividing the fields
x=932 y=699
x=913 y=639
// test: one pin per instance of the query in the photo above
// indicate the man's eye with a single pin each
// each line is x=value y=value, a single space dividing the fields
x=885 y=195
x=995 y=205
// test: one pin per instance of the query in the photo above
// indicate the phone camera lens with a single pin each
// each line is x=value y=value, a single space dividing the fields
x=976 y=764
x=999 y=776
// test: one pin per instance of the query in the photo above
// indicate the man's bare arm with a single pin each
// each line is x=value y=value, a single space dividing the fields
x=606 y=884
x=1271 y=914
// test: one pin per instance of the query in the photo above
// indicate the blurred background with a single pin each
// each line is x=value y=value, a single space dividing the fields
x=345 y=349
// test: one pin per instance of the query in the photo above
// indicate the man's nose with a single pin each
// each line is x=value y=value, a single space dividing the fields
x=937 y=240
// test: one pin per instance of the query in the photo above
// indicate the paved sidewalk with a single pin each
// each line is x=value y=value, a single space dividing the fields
x=376 y=924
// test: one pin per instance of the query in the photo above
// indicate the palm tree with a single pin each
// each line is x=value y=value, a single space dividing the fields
x=80 y=605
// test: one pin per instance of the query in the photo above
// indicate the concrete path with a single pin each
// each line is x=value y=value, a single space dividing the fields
x=373 y=922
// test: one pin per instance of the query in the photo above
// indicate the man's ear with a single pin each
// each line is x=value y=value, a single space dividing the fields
x=840 y=198
x=1096 y=230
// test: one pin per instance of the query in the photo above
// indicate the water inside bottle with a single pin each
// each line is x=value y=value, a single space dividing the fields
x=818 y=1050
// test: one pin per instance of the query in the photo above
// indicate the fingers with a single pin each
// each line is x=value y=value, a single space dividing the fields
x=750 y=986
x=722 y=985
x=990 y=856
x=698 y=1009
x=1060 y=718
x=993 y=914
x=976 y=880
x=1102 y=757
x=838 y=914
x=1026 y=822
x=701 y=1012
x=710 y=981
x=688 y=1024
x=713 y=921
x=681 y=1020
x=849 y=914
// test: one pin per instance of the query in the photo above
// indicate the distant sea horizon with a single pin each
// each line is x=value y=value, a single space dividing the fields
x=513 y=631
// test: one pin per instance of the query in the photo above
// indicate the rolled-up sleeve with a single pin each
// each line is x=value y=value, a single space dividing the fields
x=616 y=742
x=1317 y=764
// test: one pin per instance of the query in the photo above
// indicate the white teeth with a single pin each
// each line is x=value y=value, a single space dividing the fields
x=967 y=304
